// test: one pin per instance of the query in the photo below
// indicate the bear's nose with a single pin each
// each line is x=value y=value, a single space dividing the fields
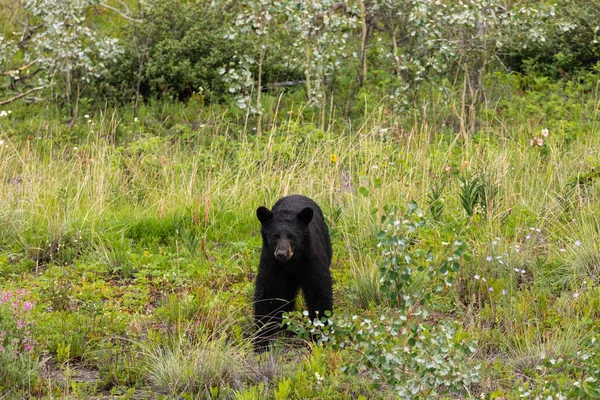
x=281 y=255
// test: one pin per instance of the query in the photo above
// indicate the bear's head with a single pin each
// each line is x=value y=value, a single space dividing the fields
x=284 y=232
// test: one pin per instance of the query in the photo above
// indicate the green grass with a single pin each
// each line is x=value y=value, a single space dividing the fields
x=138 y=241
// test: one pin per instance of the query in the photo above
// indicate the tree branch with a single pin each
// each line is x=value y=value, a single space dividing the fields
x=17 y=97
x=124 y=15
x=18 y=70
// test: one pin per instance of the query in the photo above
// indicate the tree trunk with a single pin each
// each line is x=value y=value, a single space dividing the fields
x=363 y=44
x=307 y=73
x=263 y=50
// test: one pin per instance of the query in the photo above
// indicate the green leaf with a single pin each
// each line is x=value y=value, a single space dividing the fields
x=412 y=206
x=364 y=191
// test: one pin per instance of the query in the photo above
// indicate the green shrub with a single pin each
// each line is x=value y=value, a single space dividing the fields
x=181 y=46
x=571 y=43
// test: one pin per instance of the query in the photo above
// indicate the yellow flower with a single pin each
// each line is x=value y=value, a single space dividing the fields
x=334 y=158
x=146 y=253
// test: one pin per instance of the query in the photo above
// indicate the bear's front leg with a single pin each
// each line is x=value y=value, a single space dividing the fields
x=318 y=295
x=272 y=298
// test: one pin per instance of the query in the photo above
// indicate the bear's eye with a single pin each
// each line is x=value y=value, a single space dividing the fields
x=292 y=237
x=275 y=237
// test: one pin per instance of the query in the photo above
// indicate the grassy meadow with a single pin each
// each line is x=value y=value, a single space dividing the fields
x=128 y=247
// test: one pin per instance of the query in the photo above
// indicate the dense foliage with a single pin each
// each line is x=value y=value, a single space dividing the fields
x=215 y=48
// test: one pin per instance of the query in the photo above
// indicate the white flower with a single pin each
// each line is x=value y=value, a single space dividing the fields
x=86 y=116
x=3 y=113
x=136 y=120
x=545 y=132
x=562 y=250
x=476 y=277
x=577 y=243
x=1 y=142
x=489 y=258
x=576 y=295
x=491 y=289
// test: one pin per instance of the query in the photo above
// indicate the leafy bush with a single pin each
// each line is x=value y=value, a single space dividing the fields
x=178 y=47
x=571 y=43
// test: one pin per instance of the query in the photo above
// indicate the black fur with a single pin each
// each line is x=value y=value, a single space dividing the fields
x=296 y=254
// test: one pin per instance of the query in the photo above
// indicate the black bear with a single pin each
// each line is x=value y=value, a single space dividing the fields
x=296 y=254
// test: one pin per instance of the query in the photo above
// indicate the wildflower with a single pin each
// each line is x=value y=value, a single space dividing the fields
x=3 y=113
x=491 y=289
x=532 y=142
x=562 y=250
x=577 y=243
x=539 y=141
x=527 y=237
x=136 y=120
x=522 y=271
x=27 y=305
x=575 y=295
x=545 y=132
x=1 y=142
x=476 y=277
x=489 y=258
x=448 y=168
x=334 y=158
x=516 y=269
x=86 y=116
x=504 y=292
x=319 y=377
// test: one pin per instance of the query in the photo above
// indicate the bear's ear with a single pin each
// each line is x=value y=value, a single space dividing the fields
x=306 y=215
x=263 y=214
